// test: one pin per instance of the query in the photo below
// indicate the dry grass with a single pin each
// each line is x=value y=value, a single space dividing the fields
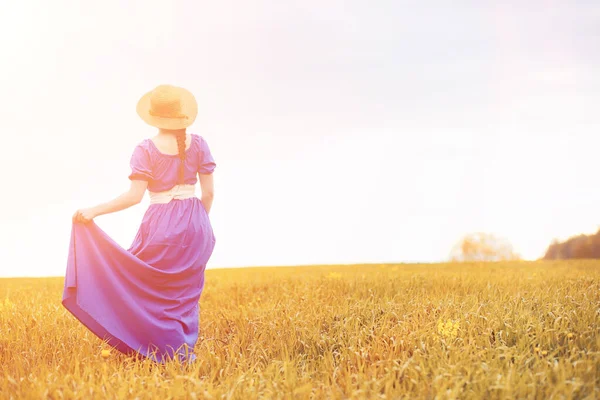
x=516 y=330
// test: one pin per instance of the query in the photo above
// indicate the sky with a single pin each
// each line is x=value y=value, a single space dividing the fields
x=343 y=131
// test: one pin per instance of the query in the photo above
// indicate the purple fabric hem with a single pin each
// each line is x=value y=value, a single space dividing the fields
x=70 y=303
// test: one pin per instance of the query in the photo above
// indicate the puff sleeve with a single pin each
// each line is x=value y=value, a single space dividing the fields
x=140 y=164
x=207 y=163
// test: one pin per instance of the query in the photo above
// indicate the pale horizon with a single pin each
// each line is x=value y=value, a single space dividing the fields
x=342 y=133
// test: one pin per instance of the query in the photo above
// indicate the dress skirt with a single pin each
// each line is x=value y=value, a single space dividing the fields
x=145 y=299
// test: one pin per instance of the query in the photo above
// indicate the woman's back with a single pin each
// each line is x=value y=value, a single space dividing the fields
x=160 y=168
x=168 y=145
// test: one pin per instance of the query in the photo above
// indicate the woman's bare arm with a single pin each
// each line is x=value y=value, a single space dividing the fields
x=208 y=190
x=133 y=196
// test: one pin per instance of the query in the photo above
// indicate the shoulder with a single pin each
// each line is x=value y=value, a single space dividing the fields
x=196 y=138
x=144 y=144
x=147 y=145
x=199 y=141
x=143 y=149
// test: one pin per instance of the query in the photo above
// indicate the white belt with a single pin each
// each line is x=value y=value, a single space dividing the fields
x=179 y=192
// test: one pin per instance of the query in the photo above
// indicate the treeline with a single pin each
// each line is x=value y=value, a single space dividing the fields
x=581 y=246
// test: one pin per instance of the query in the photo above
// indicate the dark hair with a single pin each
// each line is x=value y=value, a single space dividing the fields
x=180 y=136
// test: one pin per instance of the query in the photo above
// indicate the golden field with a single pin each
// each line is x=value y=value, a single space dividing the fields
x=439 y=331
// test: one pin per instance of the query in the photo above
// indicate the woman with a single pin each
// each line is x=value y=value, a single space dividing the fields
x=144 y=300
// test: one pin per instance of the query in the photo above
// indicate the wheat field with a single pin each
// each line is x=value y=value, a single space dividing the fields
x=437 y=331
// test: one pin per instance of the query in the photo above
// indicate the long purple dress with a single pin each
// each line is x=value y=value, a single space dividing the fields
x=145 y=299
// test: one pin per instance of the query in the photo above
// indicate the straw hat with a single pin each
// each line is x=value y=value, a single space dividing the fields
x=168 y=107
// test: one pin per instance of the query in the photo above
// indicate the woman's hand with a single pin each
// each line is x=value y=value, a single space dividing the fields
x=85 y=215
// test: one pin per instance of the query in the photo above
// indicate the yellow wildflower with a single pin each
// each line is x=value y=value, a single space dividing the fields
x=105 y=353
x=570 y=335
x=334 y=275
x=449 y=329
x=6 y=305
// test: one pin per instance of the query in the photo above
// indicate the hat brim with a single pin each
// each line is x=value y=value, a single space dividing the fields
x=189 y=108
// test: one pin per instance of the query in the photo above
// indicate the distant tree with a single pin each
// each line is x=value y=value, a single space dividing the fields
x=580 y=246
x=483 y=247
x=554 y=251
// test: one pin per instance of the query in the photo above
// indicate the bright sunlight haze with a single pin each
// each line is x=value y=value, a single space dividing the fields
x=342 y=132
